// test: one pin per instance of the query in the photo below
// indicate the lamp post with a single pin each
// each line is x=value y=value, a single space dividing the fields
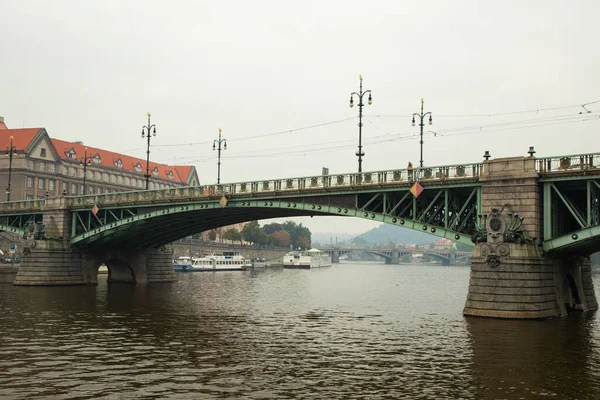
x=215 y=142
x=360 y=95
x=421 y=124
x=10 y=150
x=85 y=161
x=146 y=131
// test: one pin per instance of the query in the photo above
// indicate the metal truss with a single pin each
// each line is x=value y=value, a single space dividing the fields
x=18 y=224
x=572 y=214
x=451 y=209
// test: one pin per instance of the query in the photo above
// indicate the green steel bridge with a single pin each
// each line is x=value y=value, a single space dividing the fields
x=532 y=222
x=449 y=206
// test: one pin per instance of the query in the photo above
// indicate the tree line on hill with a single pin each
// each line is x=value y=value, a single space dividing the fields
x=286 y=234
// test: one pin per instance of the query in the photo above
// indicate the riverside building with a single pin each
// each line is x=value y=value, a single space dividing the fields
x=44 y=166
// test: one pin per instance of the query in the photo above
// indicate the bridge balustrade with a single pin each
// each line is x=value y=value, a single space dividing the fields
x=576 y=162
x=337 y=181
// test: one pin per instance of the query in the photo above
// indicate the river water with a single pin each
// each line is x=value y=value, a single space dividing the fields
x=352 y=331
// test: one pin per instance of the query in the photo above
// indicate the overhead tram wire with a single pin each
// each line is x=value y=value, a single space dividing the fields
x=391 y=138
x=286 y=132
x=459 y=131
x=537 y=110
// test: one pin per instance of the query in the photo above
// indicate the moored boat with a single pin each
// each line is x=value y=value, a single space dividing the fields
x=182 y=263
x=219 y=262
x=313 y=258
x=259 y=263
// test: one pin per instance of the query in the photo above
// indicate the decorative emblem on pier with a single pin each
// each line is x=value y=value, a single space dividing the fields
x=34 y=231
x=495 y=230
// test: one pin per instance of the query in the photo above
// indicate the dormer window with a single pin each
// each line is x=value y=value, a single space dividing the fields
x=119 y=163
x=96 y=159
x=71 y=154
x=155 y=171
x=138 y=167
x=170 y=174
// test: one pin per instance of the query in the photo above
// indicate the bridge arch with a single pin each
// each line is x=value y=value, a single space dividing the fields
x=158 y=226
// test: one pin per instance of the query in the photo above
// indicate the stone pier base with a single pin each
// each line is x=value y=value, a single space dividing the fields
x=8 y=272
x=159 y=265
x=527 y=285
x=55 y=263
x=50 y=263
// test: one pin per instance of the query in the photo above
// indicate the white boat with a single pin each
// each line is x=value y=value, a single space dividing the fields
x=182 y=263
x=221 y=262
x=259 y=263
x=313 y=258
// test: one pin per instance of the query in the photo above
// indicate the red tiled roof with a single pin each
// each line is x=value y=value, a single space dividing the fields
x=109 y=158
x=21 y=137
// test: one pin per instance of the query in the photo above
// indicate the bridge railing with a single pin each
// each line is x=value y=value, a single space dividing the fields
x=575 y=162
x=374 y=178
x=22 y=205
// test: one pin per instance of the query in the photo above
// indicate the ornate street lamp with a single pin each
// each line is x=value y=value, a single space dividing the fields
x=85 y=161
x=421 y=124
x=360 y=95
x=146 y=131
x=215 y=142
x=10 y=150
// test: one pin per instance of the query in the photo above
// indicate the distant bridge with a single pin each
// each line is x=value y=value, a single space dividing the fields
x=393 y=256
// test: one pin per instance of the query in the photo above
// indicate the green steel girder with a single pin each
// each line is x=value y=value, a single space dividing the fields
x=570 y=206
x=584 y=241
x=18 y=223
x=159 y=225
x=571 y=214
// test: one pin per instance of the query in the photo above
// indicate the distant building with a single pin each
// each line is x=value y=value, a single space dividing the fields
x=443 y=244
x=42 y=165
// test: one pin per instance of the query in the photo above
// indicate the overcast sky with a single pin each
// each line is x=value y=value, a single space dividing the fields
x=267 y=71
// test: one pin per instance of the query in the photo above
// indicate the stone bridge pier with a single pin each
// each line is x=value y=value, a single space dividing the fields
x=48 y=259
x=511 y=276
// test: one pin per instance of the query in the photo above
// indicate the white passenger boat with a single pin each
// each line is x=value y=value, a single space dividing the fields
x=313 y=258
x=182 y=263
x=220 y=262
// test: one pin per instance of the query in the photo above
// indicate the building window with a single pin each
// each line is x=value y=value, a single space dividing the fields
x=120 y=180
x=170 y=174
x=73 y=188
x=42 y=167
x=41 y=183
x=96 y=159
x=29 y=197
x=42 y=152
x=32 y=165
x=65 y=171
x=53 y=168
x=81 y=173
x=30 y=182
x=91 y=190
x=113 y=179
x=127 y=181
x=119 y=163
x=65 y=187
x=98 y=190
x=71 y=154
x=155 y=171
x=74 y=172
x=51 y=186
x=138 y=167
x=98 y=176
